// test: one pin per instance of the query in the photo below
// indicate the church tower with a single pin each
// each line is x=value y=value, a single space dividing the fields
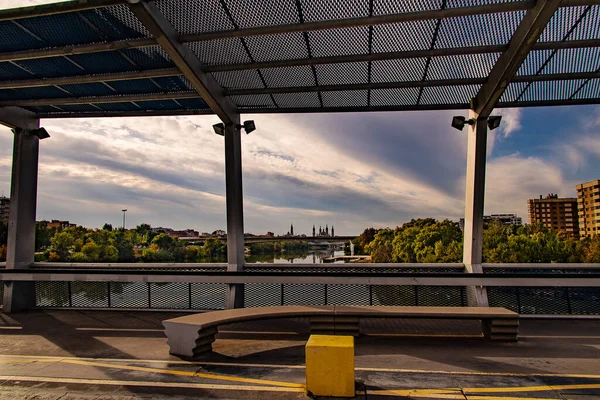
x=313 y=230
x=292 y=229
x=326 y=230
x=332 y=231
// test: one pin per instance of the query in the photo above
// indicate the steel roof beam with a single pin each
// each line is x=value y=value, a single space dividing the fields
x=408 y=84
x=81 y=79
x=55 y=8
x=320 y=25
x=521 y=43
x=100 y=99
x=185 y=59
x=276 y=90
x=397 y=55
x=306 y=110
x=363 y=21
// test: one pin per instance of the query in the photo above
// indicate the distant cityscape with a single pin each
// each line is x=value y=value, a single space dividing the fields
x=577 y=216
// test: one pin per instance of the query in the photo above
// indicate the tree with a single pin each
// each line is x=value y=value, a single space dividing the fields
x=380 y=248
x=363 y=240
x=3 y=233
x=63 y=244
x=107 y=227
x=42 y=237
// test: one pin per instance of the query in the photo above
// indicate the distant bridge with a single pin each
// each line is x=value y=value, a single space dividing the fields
x=266 y=239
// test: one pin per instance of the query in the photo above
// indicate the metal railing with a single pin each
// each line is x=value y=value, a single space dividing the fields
x=536 y=289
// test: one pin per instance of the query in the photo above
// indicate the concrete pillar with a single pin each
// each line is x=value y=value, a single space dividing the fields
x=21 y=223
x=235 y=212
x=474 y=200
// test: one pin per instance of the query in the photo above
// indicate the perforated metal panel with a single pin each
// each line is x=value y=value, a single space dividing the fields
x=394 y=295
x=130 y=295
x=277 y=47
x=551 y=90
x=399 y=97
x=170 y=295
x=52 y=294
x=584 y=301
x=478 y=30
x=195 y=17
x=463 y=66
x=303 y=295
x=507 y=297
x=89 y=294
x=263 y=295
x=449 y=94
x=349 y=295
x=208 y=296
x=544 y=301
x=415 y=35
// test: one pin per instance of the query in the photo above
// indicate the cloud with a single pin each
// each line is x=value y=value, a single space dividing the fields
x=511 y=120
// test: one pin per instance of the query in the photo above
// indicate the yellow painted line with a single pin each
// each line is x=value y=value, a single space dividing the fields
x=11 y=327
x=11 y=361
x=166 y=361
x=185 y=373
x=532 y=388
x=186 y=385
x=368 y=369
x=446 y=394
x=510 y=374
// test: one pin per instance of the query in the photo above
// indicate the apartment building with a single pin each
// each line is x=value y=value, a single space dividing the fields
x=559 y=214
x=588 y=207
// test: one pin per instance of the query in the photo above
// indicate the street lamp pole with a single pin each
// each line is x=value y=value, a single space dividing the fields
x=124 y=211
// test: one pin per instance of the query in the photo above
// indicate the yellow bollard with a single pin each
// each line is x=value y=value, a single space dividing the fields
x=330 y=365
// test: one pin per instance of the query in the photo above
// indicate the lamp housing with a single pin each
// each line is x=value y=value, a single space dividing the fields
x=219 y=129
x=249 y=126
x=494 y=121
x=459 y=122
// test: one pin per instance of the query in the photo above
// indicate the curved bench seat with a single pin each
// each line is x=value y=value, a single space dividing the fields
x=192 y=335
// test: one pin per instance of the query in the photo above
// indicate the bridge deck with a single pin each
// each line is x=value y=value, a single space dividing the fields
x=111 y=355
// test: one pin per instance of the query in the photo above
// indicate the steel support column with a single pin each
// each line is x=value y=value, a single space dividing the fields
x=474 y=196
x=235 y=212
x=21 y=222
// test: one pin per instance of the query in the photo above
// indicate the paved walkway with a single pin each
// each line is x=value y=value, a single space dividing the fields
x=124 y=355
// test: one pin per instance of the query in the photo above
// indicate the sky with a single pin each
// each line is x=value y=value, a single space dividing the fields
x=350 y=170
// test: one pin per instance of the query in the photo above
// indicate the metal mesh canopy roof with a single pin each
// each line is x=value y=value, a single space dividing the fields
x=117 y=58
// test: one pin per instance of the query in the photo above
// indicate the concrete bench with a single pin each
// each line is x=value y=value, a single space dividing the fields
x=193 y=335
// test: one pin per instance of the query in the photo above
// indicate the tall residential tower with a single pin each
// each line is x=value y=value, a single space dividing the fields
x=559 y=214
x=588 y=207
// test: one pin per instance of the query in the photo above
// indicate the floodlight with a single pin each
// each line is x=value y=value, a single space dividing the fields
x=219 y=129
x=494 y=122
x=459 y=122
x=41 y=133
x=249 y=126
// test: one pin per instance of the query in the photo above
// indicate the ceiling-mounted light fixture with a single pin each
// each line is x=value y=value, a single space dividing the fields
x=494 y=121
x=249 y=126
x=459 y=122
x=41 y=133
x=219 y=129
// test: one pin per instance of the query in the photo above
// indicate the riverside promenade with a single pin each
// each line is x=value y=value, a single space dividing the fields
x=56 y=354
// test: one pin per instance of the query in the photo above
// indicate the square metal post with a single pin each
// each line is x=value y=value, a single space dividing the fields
x=21 y=221
x=474 y=201
x=235 y=212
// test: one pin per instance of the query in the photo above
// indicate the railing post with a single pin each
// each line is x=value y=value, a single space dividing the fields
x=281 y=296
x=21 y=221
x=568 y=294
x=109 y=299
x=235 y=213
x=190 y=295
x=474 y=201
x=70 y=294
x=370 y=295
x=149 y=299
